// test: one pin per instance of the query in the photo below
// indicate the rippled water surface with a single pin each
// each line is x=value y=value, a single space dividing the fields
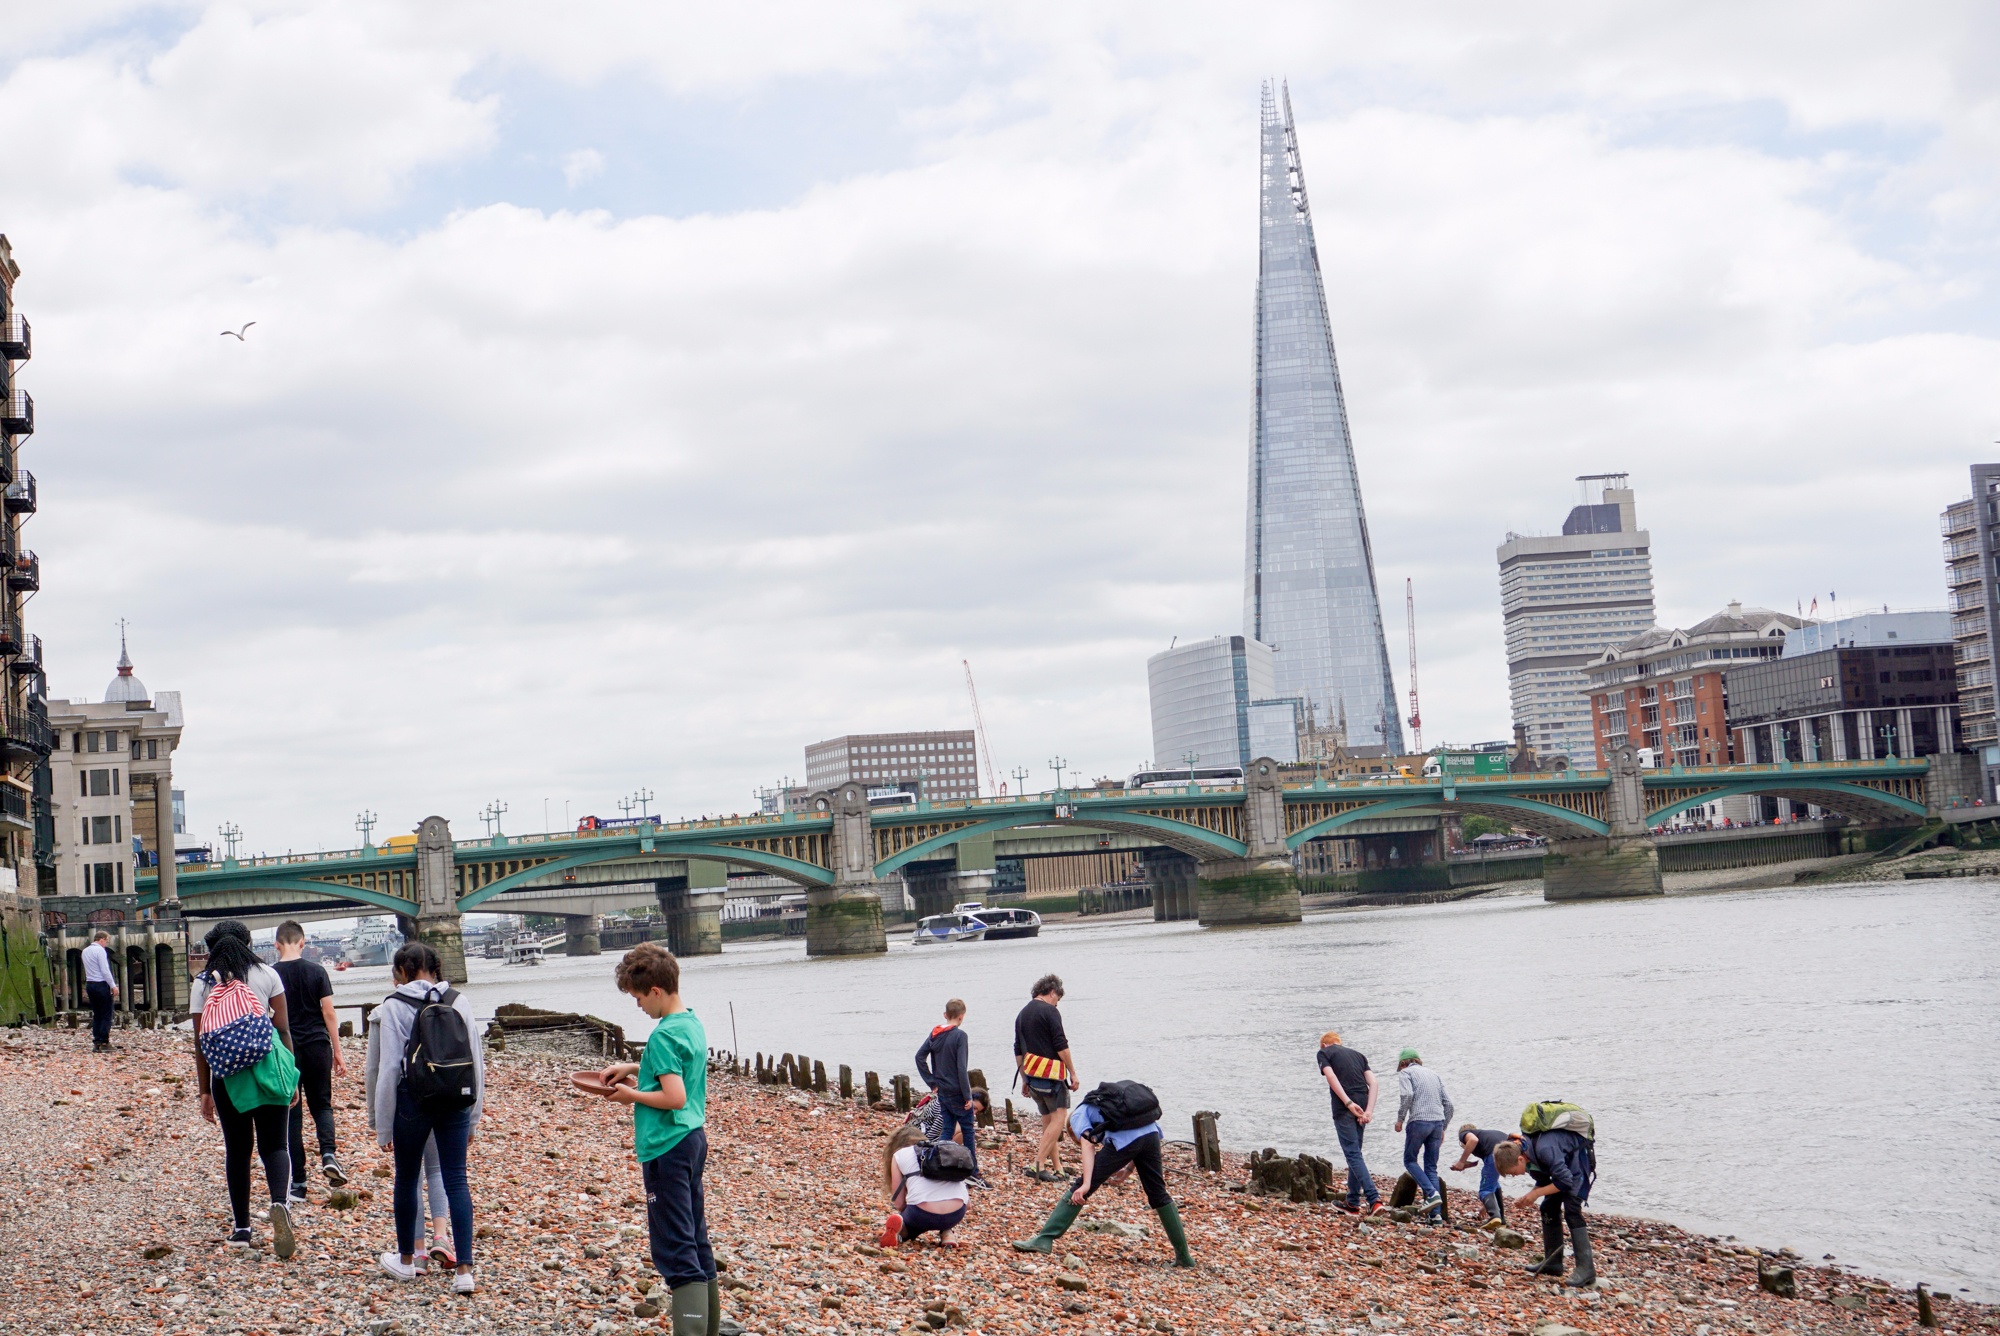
x=1813 y=1068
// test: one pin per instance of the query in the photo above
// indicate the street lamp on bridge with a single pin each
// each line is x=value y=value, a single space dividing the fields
x=1057 y=765
x=491 y=816
x=365 y=823
x=1021 y=774
x=232 y=835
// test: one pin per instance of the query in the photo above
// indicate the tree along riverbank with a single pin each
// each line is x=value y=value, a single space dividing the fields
x=115 y=1211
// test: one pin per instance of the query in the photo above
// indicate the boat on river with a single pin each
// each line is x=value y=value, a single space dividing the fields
x=374 y=941
x=525 y=949
x=940 y=929
x=1003 y=924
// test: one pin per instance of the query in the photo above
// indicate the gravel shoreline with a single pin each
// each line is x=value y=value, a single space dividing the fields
x=105 y=1157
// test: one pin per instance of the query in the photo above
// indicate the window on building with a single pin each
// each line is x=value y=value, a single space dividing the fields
x=104 y=878
x=100 y=830
x=90 y=741
x=152 y=749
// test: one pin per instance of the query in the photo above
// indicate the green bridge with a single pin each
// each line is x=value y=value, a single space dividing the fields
x=1599 y=825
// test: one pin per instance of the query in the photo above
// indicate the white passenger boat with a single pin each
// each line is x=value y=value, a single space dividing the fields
x=525 y=949
x=941 y=928
x=1003 y=924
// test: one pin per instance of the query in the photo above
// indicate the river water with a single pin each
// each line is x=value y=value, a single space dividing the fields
x=1805 y=1068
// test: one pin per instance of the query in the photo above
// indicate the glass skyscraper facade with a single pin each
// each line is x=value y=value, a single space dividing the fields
x=1309 y=572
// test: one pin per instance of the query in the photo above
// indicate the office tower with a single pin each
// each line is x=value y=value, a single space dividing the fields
x=1309 y=573
x=936 y=765
x=1202 y=695
x=1972 y=566
x=1565 y=601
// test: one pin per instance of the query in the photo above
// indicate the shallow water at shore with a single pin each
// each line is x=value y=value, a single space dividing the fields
x=1805 y=1068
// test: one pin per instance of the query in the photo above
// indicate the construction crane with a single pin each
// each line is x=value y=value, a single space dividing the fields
x=1410 y=619
x=979 y=724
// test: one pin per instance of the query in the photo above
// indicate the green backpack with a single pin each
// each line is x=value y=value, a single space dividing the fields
x=1552 y=1115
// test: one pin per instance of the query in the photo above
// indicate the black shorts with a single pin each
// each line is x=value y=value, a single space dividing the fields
x=1048 y=1095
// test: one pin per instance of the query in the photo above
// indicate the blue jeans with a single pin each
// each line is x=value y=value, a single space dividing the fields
x=1489 y=1177
x=1421 y=1141
x=414 y=1129
x=1359 y=1180
x=966 y=1121
x=676 y=1215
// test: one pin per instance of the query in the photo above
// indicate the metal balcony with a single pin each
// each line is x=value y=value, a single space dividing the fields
x=1960 y=517
x=25 y=572
x=1968 y=598
x=26 y=734
x=21 y=494
x=12 y=638
x=1961 y=547
x=17 y=342
x=29 y=660
x=17 y=415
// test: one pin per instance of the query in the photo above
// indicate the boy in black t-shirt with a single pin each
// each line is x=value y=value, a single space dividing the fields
x=1478 y=1144
x=309 y=1004
x=1353 y=1086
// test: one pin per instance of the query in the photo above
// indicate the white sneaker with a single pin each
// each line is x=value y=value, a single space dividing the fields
x=462 y=1283
x=393 y=1265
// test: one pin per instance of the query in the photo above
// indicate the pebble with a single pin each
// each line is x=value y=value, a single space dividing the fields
x=1069 y=1280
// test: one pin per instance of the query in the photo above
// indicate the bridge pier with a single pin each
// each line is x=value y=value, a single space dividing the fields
x=1261 y=887
x=438 y=923
x=694 y=918
x=845 y=919
x=1625 y=863
x=582 y=940
x=1174 y=879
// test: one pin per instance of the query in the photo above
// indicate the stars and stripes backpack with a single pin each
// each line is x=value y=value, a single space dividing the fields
x=235 y=1032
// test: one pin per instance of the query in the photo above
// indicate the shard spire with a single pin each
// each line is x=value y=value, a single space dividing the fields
x=1309 y=572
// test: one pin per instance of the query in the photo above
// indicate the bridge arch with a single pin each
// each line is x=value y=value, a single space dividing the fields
x=1195 y=841
x=1859 y=801
x=192 y=893
x=1532 y=814
x=805 y=874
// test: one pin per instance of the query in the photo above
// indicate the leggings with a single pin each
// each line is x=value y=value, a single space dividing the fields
x=437 y=1205
x=268 y=1125
x=918 y=1220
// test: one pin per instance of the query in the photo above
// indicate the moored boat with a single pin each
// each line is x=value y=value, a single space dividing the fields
x=942 y=928
x=1005 y=924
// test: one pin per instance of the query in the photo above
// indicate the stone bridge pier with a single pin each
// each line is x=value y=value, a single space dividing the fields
x=694 y=917
x=1262 y=886
x=582 y=938
x=1619 y=865
x=1174 y=878
x=438 y=920
x=845 y=919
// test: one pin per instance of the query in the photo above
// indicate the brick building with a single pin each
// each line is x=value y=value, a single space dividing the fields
x=1664 y=690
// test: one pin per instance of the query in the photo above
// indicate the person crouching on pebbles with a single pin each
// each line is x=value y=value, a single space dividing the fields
x=1563 y=1166
x=669 y=1111
x=926 y=1183
x=1118 y=1127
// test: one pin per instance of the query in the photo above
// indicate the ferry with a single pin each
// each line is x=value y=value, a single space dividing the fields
x=374 y=941
x=1003 y=924
x=942 y=928
x=525 y=949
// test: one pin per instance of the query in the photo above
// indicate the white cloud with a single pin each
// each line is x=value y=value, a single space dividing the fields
x=582 y=165
x=521 y=504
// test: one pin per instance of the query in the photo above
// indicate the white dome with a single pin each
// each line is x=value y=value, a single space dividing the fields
x=124 y=687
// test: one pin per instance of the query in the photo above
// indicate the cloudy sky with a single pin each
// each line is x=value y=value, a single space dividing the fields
x=640 y=391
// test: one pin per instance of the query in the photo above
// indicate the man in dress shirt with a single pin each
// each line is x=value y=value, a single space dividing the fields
x=101 y=989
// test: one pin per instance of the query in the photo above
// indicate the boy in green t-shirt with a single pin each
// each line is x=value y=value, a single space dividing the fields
x=669 y=1106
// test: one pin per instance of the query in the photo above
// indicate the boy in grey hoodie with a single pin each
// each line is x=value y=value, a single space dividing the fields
x=1422 y=1112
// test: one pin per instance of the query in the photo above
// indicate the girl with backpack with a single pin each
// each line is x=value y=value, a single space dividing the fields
x=920 y=1198
x=426 y=1082
x=243 y=1066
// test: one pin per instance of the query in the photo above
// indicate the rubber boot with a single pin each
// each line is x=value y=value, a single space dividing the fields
x=1552 y=1249
x=715 y=1308
x=1170 y=1221
x=1586 y=1269
x=690 y=1309
x=1491 y=1201
x=1052 y=1229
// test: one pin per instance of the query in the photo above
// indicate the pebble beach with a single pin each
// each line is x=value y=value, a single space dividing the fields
x=113 y=1212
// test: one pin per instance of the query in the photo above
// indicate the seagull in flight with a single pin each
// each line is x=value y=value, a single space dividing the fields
x=237 y=334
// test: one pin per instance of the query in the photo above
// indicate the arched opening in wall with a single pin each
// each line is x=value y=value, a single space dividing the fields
x=138 y=996
x=73 y=978
x=165 y=985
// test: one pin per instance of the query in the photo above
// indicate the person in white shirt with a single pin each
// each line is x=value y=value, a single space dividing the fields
x=102 y=989
x=917 y=1205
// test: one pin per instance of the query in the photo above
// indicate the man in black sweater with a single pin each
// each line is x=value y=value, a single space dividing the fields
x=942 y=1061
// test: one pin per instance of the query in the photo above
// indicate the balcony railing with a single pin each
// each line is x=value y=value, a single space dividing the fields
x=24 y=573
x=21 y=494
x=14 y=803
x=24 y=732
x=1961 y=547
x=12 y=639
x=1960 y=517
x=1972 y=651
x=1968 y=598
x=17 y=342
x=1977 y=729
x=29 y=660
x=17 y=413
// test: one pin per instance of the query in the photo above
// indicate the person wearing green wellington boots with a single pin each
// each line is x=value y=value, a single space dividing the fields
x=1563 y=1166
x=1118 y=1127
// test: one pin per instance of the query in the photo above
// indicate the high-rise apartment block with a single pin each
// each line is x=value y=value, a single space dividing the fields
x=1309 y=571
x=1202 y=695
x=935 y=766
x=1972 y=565
x=24 y=727
x=1566 y=599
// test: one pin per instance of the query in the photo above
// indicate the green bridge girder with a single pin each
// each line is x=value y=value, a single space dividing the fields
x=1205 y=823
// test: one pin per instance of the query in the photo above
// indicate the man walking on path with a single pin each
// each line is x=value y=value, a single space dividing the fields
x=101 y=989
x=1353 y=1086
x=309 y=1005
x=1563 y=1166
x=1047 y=1071
x=1479 y=1143
x=942 y=1062
x=1422 y=1112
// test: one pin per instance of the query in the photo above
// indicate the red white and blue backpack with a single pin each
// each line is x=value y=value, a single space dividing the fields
x=235 y=1032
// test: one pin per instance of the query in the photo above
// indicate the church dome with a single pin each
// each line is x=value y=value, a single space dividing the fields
x=124 y=687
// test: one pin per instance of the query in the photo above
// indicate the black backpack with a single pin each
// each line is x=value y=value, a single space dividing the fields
x=438 y=1062
x=944 y=1161
x=1125 y=1105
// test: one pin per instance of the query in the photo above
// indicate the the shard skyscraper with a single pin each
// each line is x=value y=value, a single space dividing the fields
x=1309 y=574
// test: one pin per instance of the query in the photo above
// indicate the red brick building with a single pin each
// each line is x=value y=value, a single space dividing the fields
x=1665 y=690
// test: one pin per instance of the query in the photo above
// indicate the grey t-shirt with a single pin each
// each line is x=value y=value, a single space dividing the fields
x=263 y=981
